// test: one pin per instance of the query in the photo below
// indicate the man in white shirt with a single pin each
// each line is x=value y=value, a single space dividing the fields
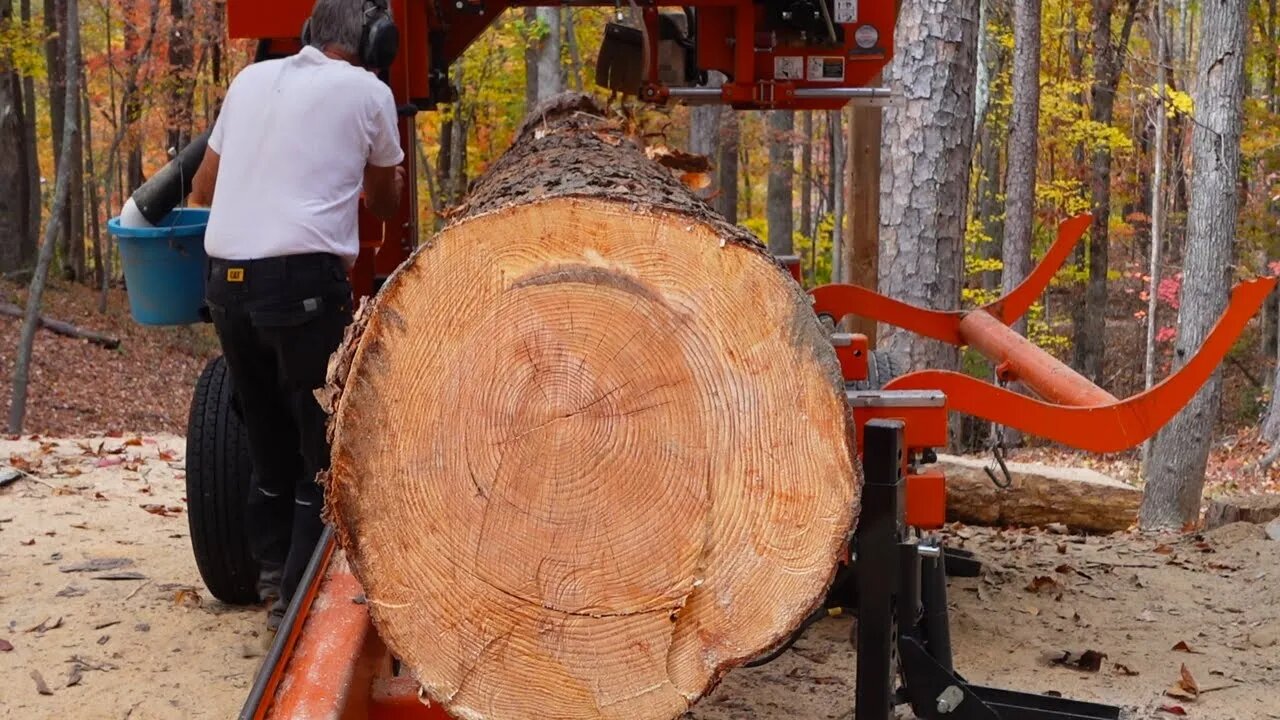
x=295 y=144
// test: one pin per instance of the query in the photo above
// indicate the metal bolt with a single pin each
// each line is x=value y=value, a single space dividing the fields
x=950 y=699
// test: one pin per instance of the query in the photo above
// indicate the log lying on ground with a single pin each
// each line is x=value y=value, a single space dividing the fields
x=1257 y=509
x=64 y=328
x=1041 y=495
x=590 y=444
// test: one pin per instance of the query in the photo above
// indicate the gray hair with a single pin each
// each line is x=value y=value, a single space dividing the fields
x=338 y=24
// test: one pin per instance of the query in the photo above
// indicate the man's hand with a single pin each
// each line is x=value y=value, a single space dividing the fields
x=383 y=187
x=205 y=180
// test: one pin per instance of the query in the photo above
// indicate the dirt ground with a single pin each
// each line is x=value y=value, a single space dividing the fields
x=100 y=598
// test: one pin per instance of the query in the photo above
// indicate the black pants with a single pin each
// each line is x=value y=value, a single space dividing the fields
x=279 y=320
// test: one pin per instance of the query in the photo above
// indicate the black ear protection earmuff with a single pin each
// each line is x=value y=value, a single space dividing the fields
x=379 y=36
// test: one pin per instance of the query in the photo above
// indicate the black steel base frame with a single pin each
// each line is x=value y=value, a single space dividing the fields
x=901 y=590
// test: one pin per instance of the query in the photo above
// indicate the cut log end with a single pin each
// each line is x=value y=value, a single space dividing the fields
x=588 y=455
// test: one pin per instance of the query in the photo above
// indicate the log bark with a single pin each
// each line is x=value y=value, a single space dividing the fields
x=1040 y=495
x=1256 y=509
x=574 y=478
x=64 y=328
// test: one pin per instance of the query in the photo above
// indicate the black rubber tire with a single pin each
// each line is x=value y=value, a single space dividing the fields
x=882 y=366
x=218 y=470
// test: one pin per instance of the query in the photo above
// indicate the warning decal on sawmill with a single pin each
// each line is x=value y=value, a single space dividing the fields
x=846 y=11
x=826 y=69
x=788 y=68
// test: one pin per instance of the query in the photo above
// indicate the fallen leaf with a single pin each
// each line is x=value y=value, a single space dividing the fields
x=106 y=462
x=29 y=542
x=1042 y=582
x=1091 y=660
x=156 y=509
x=1125 y=670
x=1031 y=610
x=80 y=526
x=42 y=687
x=167 y=456
x=187 y=597
x=5 y=646
x=1163 y=549
x=133 y=442
x=1186 y=688
x=1088 y=661
x=1182 y=646
x=75 y=675
x=1173 y=710
x=678 y=159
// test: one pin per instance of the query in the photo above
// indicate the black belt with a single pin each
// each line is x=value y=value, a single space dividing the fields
x=278 y=267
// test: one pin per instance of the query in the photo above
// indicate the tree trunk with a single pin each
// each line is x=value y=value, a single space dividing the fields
x=1175 y=478
x=863 y=205
x=562 y=525
x=54 y=50
x=132 y=97
x=779 y=205
x=550 y=69
x=571 y=45
x=1024 y=125
x=35 y=202
x=181 y=57
x=927 y=145
x=1090 y=318
x=727 y=202
x=1159 y=22
x=704 y=136
x=22 y=367
x=839 y=253
x=806 y=178
x=530 y=18
x=14 y=186
x=91 y=196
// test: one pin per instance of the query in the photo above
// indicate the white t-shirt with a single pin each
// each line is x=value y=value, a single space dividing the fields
x=293 y=138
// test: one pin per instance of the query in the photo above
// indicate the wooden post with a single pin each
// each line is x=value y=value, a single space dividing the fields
x=863 y=187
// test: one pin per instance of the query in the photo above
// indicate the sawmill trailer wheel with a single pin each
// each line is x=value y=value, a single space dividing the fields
x=218 y=470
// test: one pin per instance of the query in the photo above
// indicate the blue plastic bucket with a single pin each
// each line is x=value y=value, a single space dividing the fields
x=164 y=267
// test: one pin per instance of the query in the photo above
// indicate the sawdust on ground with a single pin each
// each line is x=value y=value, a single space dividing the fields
x=152 y=643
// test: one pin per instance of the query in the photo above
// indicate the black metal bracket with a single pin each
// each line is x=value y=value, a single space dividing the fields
x=901 y=591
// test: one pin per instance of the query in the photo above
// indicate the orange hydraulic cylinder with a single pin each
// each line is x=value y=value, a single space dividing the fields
x=1035 y=368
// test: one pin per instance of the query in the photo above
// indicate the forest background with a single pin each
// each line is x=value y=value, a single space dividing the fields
x=1012 y=115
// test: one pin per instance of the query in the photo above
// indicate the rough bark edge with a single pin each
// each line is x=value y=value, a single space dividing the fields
x=583 y=117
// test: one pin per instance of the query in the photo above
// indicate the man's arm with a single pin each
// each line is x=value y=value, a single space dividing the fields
x=384 y=175
x=383 y=187
x=205 y=179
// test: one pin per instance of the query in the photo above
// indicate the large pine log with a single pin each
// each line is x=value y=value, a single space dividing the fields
x=590 y=446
